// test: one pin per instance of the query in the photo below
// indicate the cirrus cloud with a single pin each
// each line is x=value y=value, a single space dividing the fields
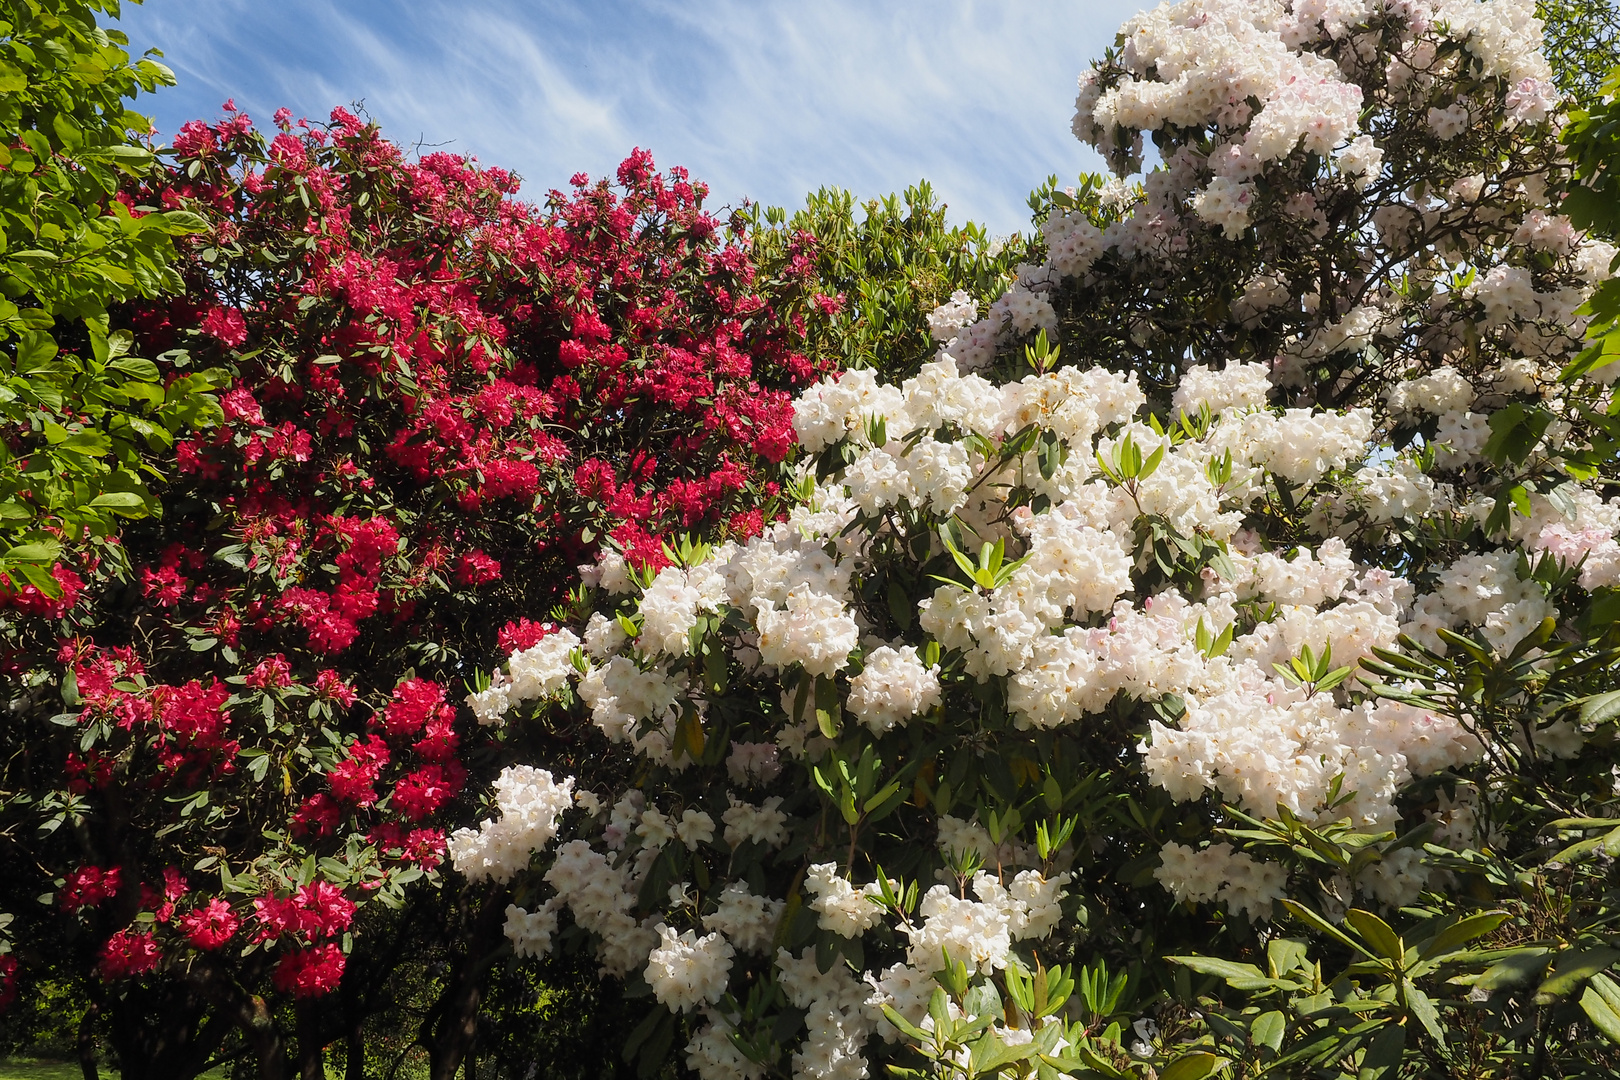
x=765 y=100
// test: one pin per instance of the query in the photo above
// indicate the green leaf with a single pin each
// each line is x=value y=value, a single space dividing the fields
x=1268 y=1029
x=1422 y=1007
x=1461 y=932
x=118 y=500
x=44 y=551
x=1574 y=967
x=1321 y=925
x=1513 y=969
x=1377 y=933
x=1602 y=1014
x=1239 y=976
x=1600 y=708
x=1194 y=1066
x=1384 y=1053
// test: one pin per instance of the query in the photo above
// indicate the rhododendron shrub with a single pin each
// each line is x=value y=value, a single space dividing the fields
x=1246 y=621
x=440 y=394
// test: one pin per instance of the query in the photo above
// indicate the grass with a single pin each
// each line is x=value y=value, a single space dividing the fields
x=35 y=1069
x=25 y=1068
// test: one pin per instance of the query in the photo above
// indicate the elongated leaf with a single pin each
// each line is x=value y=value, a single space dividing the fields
x=1238 y=976
x=1574 y=967
x=1316 y=922
x=1384 y=1052
x=1513 y=969
x=1462 y=932
x=1194 y=1066
x=1600 y=708
x=1602 y=1014
x=1422 y=1007
x=1377 y=932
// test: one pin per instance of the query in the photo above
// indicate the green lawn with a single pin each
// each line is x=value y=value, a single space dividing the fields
x=32 y=1069
x=37 y=1069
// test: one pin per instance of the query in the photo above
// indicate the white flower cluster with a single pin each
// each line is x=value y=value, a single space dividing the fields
x=1217 y=872
x=1078 y=511
x=536 y=672
x=957 y=312
x=893 y=687
x=530 y=931
x=686 y=971
x=530 y=802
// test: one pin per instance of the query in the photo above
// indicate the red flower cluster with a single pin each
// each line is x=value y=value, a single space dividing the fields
x=440 y=398
x=210 y=926
x=309 y=972
x=129 y=953
x=89 y=886
x=314 y=911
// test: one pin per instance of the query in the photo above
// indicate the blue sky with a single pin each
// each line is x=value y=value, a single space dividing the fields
x=763 y=99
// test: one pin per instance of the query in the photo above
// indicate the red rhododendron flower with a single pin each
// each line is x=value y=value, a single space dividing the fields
x=476 y=568
x=439 y=740
x=227 y=325
x=425 y=790
x=271 y=673
x=329 y=686
x=351 y=780
x=415 y=702
x=311 y=972
x=210 y=926
x=316 y=910
x=29 y=600
x=521 y=634
x=318 y=816
x=8 y=981
x=89 y=886
x=193 y=713
x=127 y=954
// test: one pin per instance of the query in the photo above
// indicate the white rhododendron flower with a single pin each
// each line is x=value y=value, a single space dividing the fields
x=840 y=754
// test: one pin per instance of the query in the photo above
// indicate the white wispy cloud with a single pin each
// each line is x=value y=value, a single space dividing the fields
x=764 y=99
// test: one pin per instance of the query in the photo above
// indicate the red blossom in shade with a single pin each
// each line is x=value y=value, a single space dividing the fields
x=351 y=780
x=210 y=926
x=439 y=740
x=318 y=816
x=194 y=714
x=8 y=981
x=510 y=478
x=425 y=847
x=271 y=673
x=238 y=403
x=164 y=586
x=476 y=568
x=317 y=910
x=29 y=600
x=128 y=954
x=89 y=886
x=312 y=972
x=329 y=686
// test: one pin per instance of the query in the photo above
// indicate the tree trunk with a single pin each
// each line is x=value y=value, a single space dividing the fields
x=87 y=1043
x=158 y=1031
x=355 y=1064
x=311 y=1046
x=456 y=1027
x=260 y=1031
